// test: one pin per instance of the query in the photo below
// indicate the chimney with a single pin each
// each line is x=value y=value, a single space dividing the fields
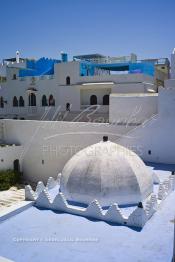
x=17 y=57
x=105 y=138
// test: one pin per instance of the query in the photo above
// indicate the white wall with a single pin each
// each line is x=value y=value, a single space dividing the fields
x=166 y=103
x=118 y=79
x=173 y=64
x=7 y=156
x=158 y=134
x=132 y=108
x=169 y=83
x=61 y=92
x=54 y=142
x=45 y=86
x=71 y=69
x=129 y=88
x=99 y=92
x=71 y=95
x=2 y=70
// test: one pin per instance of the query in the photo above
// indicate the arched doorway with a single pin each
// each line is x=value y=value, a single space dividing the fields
x=68 y=107
x=68 y=80
x=21 y=101
x=51 y=101
x=106 y=100
x=15 y=102
x=1 y=102
x=44 y=101
x=93 y=100
x=16 y=165
x=32 y=99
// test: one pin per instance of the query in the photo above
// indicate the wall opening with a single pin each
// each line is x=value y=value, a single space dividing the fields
x=68 y=107
x=14 y=77
x=51 y=101
x=44 y=101
x=1 y=102
x=68 y=80
x=32 y=99
x=16 y=165
x=21 y=101
x=15 y=102
x=106 y=100
x=93 y=100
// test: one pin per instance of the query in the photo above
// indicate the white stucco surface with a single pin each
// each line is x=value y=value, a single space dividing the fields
x=173 y=64
x=54 y=142
x=8 y=155
x=154 y=140
x=76 y=94
x=107 y=172
x=132 y=108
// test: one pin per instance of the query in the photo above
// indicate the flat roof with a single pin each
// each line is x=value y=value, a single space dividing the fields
x=43 y=235
x=133 y=94
x=13 y=59
x=97 y=83
x=88 y=56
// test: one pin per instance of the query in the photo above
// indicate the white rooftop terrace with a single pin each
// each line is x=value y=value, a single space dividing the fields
x=43 y=235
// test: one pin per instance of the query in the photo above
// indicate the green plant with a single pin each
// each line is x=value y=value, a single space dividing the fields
x=2 y=145
x=9 y=178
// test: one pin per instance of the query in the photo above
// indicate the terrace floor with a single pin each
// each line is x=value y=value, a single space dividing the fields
x=43 y=235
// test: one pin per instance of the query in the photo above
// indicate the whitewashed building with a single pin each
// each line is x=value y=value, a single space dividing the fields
x=60 y=90
x=129 y=107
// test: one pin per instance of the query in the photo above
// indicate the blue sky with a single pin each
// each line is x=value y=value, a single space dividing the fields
x=112 y=27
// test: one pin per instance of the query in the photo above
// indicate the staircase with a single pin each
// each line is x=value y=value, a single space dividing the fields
x=10 y=197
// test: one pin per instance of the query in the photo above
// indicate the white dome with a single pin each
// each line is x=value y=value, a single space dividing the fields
x=107 y=172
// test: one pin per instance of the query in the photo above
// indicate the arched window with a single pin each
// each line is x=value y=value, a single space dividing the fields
x=93 y=100
x=15 y=101
x=21 y=101
x=51 y=101
x=68 y=80
x=1 y=102
x=32 y=99
x=106 y=100
x=44 y=101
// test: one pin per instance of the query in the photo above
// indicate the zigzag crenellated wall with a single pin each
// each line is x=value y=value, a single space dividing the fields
x=137 y=218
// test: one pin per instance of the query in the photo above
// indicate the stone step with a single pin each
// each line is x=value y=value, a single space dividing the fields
x=19 y=193
x=12 y=200
x=15 y=197
x=5 y=202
